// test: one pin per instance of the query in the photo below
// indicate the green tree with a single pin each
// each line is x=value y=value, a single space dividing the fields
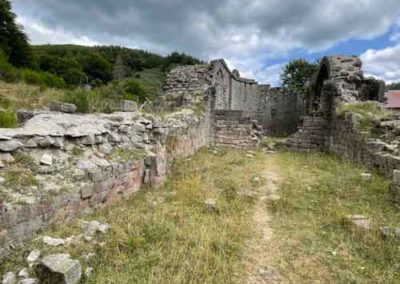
x=296 y=76
x=97 y=68
x=13 y=41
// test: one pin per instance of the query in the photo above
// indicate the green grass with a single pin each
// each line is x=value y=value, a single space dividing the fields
x=152 y=81
x=8 y=118
x=18 y=96
x=312 y=243
x=19 y=173
x=368 y=111
x=168 y=235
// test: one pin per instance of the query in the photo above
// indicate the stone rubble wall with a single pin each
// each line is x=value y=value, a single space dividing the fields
x=186 y=85
x=346 y=141
x=278 y=112
x=311 y=137
x=233 y=130
x=73 y=182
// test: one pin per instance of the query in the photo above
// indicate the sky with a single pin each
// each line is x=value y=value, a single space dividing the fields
x=257 y=37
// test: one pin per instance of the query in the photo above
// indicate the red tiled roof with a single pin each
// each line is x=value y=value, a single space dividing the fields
x=393 y=99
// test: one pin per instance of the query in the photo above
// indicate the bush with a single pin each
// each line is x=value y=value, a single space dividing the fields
x=41 y=79
x=8 y=73
x=7 y=119
x=88 y=101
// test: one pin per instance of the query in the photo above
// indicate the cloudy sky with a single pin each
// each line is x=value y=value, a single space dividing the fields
x=255 y=36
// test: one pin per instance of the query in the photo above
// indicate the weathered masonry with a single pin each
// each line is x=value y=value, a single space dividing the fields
x=340 y=80
x=276 y=111
x=58 y=165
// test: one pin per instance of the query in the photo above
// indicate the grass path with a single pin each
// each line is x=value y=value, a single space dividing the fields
x=258 y=266
x=312 y=241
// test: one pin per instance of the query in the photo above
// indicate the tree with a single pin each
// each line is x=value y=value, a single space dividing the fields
x=97 y=68
x=296 y=76
x=13 y=41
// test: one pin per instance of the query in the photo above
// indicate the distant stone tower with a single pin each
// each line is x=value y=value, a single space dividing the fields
x=119 y=68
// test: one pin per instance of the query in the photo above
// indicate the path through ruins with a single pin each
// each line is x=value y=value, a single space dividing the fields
x=259 y=256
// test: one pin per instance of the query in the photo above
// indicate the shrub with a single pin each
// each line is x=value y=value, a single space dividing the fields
x=41 y=78
x=80 y=98
x=8 y=73
x=7 y=119
x=88 y=101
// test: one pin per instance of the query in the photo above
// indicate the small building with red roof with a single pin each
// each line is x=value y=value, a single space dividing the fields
x=393 y=99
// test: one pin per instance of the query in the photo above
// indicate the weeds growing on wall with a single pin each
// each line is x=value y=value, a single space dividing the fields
x=368 y=112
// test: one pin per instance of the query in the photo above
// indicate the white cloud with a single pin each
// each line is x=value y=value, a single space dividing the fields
x=246 y=33
x=43 y=35
x=383 y=63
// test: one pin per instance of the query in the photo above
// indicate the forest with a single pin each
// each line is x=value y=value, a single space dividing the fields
x=83 y=72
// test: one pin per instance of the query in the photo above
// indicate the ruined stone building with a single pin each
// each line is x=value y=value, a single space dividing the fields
x=276 y=111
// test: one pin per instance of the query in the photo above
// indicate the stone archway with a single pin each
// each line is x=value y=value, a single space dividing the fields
x=316 y=87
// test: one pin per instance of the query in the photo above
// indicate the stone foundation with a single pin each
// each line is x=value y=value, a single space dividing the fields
x=74 y=185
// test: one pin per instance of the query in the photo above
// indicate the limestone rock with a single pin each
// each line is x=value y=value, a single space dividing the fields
x=10 y=145
x=46 y=142
x=89 y=140
x=396 y=176
x=114 y=137
x=46 y=159
x=366 y=176
x=105 y=148
x=91 y=228
x=6 y=158
x=388 y=232
x=86 y=165
x=28 y=281
x=211 y=204
x=24 y=115
x=128 y=106
x=59 y=268
x=99 y=162
x=33 y=256
x=62 y=107
x=23 y=273
x=9 y=278
x=274 y=197
x=54 y=242
x=360 y=222
x=89 y=272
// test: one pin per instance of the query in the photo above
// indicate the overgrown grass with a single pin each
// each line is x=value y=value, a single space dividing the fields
x=312 y=243
x=18 y=96
x=19 y=173
x=152 y=81
x=8 y=118
x=168 y=235
x=368 y=111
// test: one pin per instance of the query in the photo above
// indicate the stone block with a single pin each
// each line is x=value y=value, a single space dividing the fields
x=59 y=268
x=62 y=107
x=128 y=106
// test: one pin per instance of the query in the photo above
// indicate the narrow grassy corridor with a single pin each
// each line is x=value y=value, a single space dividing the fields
x=277 y=218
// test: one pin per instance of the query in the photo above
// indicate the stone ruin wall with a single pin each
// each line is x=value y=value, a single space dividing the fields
x=275 y=110
x=73 y=182
x=323 y=130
